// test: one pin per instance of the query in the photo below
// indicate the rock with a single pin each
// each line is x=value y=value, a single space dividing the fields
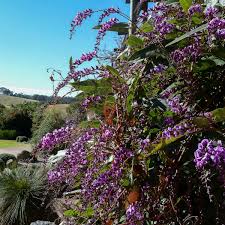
x=42 y=223
x=56 y=158
x=21 y=139
x=24 y=156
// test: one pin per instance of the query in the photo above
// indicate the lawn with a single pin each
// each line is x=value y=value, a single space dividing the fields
x=10 y=144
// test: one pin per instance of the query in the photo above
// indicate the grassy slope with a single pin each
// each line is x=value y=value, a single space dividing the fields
x=11 y=100
x=58 y=107
x=10 y=144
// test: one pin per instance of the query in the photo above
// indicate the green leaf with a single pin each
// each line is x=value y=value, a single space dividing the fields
x=90 y=124
x=131 y=94
x=115 y=73
x=89 y=212
x=197 y=20
x=134 y=41
x=201 y=122
x=143 y=53
x=218 y=115
x=188 y=34
x=185 y=4
x=163 y=143
x=71 y=62
x=71 y=213
x=125 y=182
x=219 y=52
x=146 y=27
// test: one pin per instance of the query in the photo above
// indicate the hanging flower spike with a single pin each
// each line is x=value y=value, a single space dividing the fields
x=102 y=31
x=107 y=13
x=195 y=9
x=79 y=18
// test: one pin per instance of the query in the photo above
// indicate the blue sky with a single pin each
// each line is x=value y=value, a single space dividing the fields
x=35 y=36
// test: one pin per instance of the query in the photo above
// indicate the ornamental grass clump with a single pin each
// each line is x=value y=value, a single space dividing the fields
x=22 y=196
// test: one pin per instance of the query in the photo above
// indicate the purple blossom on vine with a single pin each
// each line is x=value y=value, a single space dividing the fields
x=58 y=136
x=211 y=12
x=195 y=9
x=91 y=100
x=107 y=13
x=134 y=213
x=177 y=130
x=190 y=52
x=102 y=31
x=210 y=152
x=79 y=18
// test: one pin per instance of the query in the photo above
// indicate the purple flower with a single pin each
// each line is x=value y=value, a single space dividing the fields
x=79 y=18
x=91 y=100
x=195 y=9
x=134 y=213
x=216 y=24
x=177 y=130
x=103 y=29
x=209 y=153
x=58 y=136
x=211 y=12
x=107 y=13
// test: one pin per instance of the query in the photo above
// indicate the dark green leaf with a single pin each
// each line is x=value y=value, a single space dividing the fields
x=188 y=34
x=134 y=41
x=219 y=115
x=146 y=27
x=115 y=73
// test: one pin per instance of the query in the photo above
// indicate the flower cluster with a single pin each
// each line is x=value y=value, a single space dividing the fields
x=58 y=136
x=180 y=129
x=210 y=153
x=177 y=106
x=217 y=27
x=85 y=57
x=74 y=161
x=107 y=13
x=134 y=213
x=191 y=52
x=195 y=9
x=91 y=100
x=79 y=18
x=211 y=12
x=102 y=31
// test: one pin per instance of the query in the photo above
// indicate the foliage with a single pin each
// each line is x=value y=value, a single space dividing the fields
x=19 y=118
x=157 y=155
x=44 y=122
x=5 y=157
x=8 y=134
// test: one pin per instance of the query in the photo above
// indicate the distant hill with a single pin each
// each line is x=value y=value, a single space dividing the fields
x=37 y=97
x=7 y=100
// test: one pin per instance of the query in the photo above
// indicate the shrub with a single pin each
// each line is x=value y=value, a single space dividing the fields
x=8 y=134
x=21 y=139
x=19 y=118
x=5 y=157
x=22 y=193
x=51 y=120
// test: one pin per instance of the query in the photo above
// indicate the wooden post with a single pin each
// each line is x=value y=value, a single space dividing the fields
x=134 y=11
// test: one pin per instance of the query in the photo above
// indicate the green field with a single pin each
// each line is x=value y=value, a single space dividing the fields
x=11 y=144
x=11 y=100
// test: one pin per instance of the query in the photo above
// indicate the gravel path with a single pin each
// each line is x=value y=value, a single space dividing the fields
x=15 y=150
